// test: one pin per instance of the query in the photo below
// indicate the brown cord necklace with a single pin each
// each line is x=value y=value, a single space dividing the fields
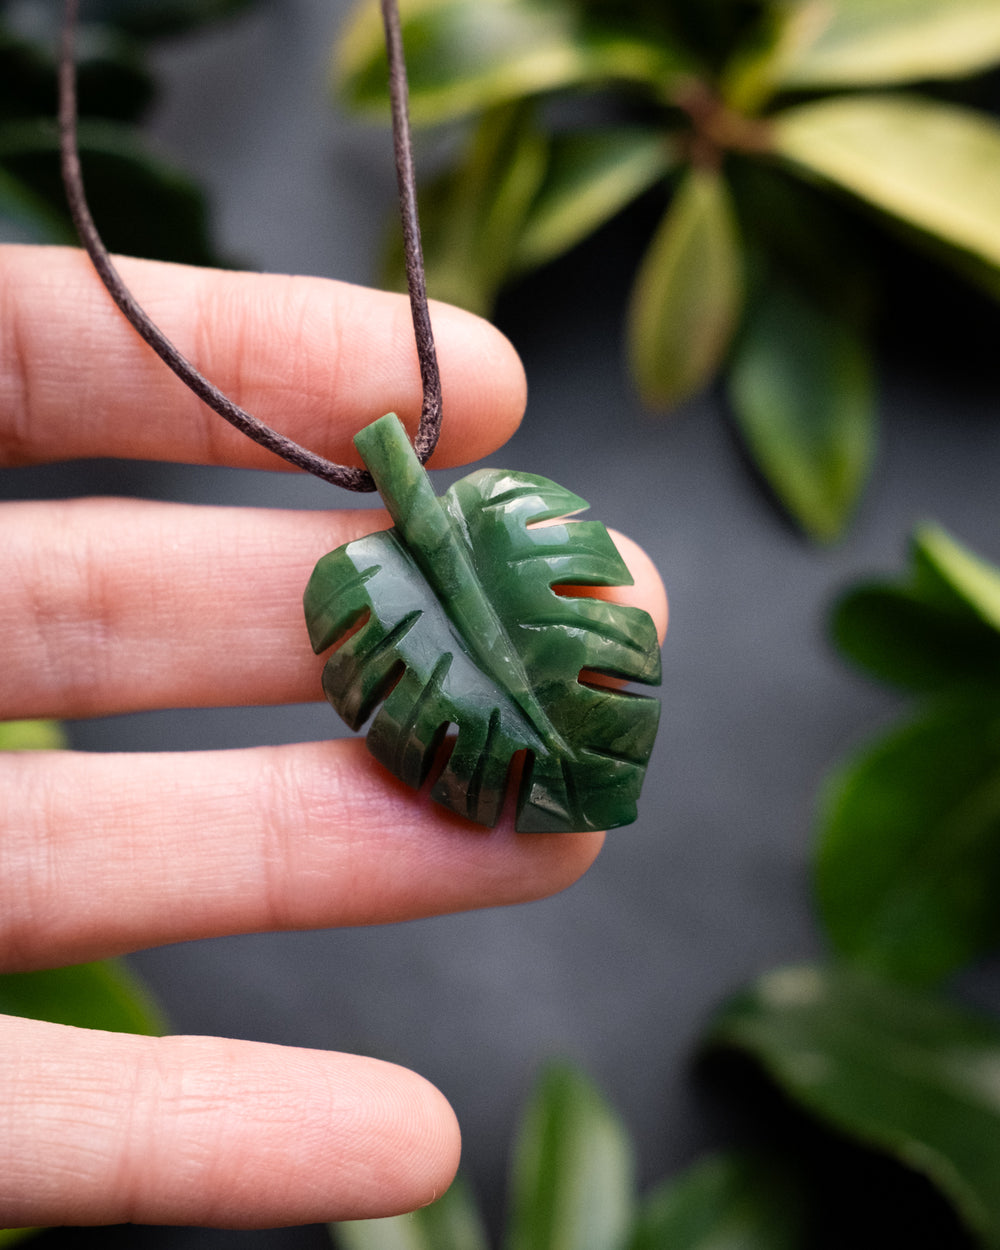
x=451 y=618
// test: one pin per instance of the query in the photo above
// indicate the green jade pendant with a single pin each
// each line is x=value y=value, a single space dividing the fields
x=465 y=630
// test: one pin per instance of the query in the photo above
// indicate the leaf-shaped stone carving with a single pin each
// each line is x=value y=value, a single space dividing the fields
x=460 y=627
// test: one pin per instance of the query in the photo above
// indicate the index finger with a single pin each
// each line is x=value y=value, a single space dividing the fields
x=314 y=358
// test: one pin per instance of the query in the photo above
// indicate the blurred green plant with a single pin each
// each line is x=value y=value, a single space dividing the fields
x=897 y=1071
x=31 y=735
x=572 y=1188
x=908 y=864
x=143 y=204
x=103 y=995
x=764 y=117
x=8 y=1236
x=906 y=880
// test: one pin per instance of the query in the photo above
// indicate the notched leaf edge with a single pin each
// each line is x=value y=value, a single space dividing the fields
x=466 y=628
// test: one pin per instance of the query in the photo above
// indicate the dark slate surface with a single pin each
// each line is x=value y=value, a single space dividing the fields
x=710 y=887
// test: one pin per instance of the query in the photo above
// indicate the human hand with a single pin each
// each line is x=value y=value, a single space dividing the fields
x=115 y=606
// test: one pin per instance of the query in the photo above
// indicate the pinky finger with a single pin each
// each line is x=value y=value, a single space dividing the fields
x=106 y=1128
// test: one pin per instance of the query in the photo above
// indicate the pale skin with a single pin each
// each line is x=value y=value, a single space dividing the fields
x=113 y=606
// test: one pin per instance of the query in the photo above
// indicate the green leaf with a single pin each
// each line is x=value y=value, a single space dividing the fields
x=471 y=218
x=591 y=175
x=748 y=77
x=451 y=1223
x=730 y=1202
x=908 y=859
x=142 y=206
x=900 y=638
x=515 y=200
x=856 y=43
x=951 y=575
x=463 y=628
x=91 y=996
x=804 y=235
x=688 y=292
x=907 y=1074
x=938 y=630
x=462 y=57
x=571 y=1180
x=935 y=167
x=801 y=387
x=971 y=269
x=31 y=735
x=8 y=1236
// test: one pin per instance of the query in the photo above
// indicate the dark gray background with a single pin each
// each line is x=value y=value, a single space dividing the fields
x=710 y=887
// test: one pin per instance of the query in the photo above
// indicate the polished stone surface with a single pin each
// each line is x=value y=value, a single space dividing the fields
x=457 y=625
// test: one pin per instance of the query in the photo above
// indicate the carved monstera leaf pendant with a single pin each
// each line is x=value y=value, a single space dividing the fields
x=462 y=629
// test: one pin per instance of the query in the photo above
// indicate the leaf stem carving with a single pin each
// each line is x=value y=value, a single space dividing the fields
x=444 y=561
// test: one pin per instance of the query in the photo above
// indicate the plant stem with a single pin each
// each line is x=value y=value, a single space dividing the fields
x=717 y=128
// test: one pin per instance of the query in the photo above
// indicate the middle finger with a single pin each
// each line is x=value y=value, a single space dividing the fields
x=103 y=854
x=114 y=605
